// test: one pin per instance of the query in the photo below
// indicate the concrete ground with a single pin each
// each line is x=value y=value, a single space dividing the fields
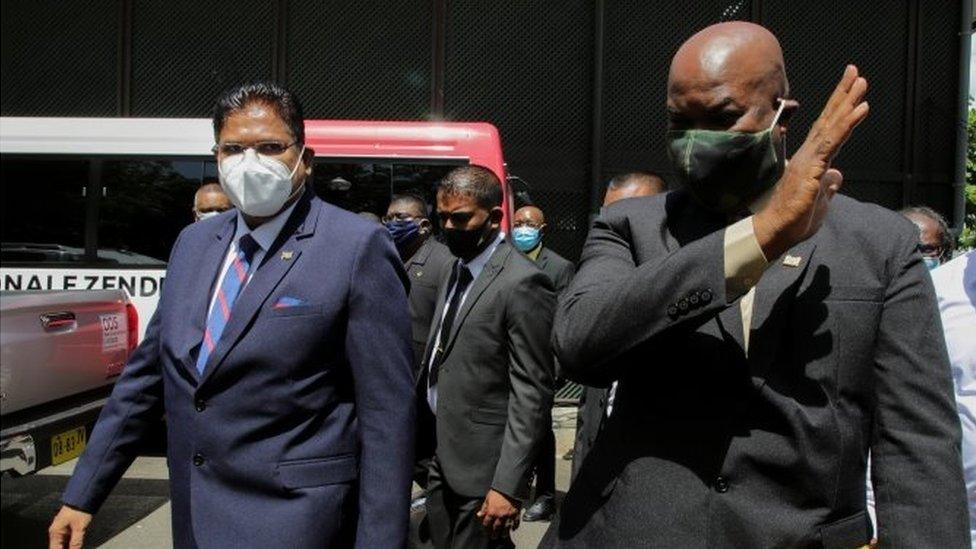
x=137 y=514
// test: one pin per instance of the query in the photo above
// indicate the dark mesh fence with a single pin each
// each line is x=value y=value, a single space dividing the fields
x=185 y=53
x=360 y=59
x=640 y=38
x=527 y=67
x=59 y=58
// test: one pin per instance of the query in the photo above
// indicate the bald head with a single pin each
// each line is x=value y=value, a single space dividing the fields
x=530 y=215
x=727 y=76
x=209 y=199
x=633 y=185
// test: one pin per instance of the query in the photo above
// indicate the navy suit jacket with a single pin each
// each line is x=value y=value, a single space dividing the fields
x=299 y=433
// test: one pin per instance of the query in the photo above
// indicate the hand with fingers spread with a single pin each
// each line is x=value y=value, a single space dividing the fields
x=499 y=514
x=67 y=530
x=799 y=203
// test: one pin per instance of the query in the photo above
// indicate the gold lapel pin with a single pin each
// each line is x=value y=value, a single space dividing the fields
x=287 y=255
x=792 y=260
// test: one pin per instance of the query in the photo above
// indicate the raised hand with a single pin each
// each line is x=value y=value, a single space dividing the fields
x=799 y=204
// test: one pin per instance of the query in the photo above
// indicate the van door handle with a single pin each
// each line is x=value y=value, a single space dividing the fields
x=59 y=320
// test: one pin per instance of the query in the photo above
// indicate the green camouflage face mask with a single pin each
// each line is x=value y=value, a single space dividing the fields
x=726 y=170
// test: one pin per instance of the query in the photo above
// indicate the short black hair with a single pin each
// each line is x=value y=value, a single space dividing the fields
x=415 y=202
x=946 y=243
x=284 y=103
x=475 y=181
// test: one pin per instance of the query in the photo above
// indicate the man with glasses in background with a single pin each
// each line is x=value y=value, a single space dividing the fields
x=280 y=355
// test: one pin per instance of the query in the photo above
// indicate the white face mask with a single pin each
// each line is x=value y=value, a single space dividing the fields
x=258 y=185
x=207 y=215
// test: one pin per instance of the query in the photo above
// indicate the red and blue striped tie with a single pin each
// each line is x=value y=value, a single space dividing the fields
x=230 y=287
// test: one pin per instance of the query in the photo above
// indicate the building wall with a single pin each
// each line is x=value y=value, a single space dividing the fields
x=575 y=86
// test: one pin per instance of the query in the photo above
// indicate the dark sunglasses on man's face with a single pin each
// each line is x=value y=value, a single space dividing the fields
x=929 y=250
x=266 y=148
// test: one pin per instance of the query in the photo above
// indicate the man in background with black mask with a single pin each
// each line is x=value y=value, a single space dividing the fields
x=766 y=334
x=487 y=375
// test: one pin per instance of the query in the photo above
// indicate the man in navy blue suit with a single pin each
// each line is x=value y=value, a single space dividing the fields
x=280 y=354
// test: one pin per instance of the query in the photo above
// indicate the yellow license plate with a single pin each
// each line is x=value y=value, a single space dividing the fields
x=67 y=445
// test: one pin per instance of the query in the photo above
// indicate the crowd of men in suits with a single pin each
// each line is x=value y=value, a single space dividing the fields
x=746 y=340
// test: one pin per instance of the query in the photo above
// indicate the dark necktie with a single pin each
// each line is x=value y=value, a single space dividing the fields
x=230 y=287
x=463 y=281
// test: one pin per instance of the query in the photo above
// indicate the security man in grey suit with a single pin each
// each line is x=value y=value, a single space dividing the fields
x=425 y=259
x=766 y=333
x=596 y=402
x=488 y=374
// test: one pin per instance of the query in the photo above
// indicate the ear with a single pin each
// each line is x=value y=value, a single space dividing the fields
x=308 y=158
x=425 y=225
x=495 y=215
x=790 y=106
x=543 y=229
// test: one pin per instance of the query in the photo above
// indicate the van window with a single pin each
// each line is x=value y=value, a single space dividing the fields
x=43 y=210
x=94 y=212
x=368 y=187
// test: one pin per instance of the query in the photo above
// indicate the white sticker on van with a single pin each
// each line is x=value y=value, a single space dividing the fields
x=114 y=336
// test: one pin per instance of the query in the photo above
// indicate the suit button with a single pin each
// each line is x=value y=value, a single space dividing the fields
x=683 y=305
x=672 y=311
x=198 y=459
x=706 y=296
x=201 y=405
x=693 y=299
x=721 y=485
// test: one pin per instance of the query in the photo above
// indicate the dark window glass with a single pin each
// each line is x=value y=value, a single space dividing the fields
x=146 y=205
x=369 y=187
x=43 y=206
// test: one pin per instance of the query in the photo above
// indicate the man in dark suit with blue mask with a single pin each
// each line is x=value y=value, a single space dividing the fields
x=280 y=356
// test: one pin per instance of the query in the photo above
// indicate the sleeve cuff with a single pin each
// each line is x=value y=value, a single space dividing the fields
x=744 y=259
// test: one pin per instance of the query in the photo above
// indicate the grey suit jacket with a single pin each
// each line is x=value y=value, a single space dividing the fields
x=707 y=447
x=426 y=269
x=495 y=384
x=559 y=269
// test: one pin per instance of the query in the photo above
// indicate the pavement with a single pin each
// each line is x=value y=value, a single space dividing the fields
x=137 y=513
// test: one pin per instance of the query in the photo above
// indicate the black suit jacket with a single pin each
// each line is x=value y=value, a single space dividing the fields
x=559 y=269
x=707 y=447
x=430 y=264
x=495 y=384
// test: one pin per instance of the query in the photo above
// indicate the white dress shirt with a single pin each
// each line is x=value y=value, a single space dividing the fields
x=264 y=235
x=955 y=286
x=476 y=265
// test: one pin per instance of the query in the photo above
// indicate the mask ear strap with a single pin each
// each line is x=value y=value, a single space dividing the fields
x=779 y=111
x=302 y=152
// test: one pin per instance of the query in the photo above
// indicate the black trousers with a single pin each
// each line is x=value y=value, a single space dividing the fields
x=452 y=520
x=545 y=465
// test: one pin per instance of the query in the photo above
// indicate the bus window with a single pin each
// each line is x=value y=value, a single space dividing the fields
x=146 y=205
x=370 y=186
x=43 y=207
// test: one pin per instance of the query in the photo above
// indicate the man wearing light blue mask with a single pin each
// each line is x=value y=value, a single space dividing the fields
x=934 y=239
x=528 y=229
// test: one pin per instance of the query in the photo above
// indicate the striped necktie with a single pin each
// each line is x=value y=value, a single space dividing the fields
x=230 y=288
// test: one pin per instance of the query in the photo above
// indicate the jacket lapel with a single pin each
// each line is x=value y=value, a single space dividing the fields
x=770 y=309
x=443 y=288
x=265 y=279
x=488 y=274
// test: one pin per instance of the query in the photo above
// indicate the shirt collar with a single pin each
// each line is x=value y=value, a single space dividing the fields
x=267 y=232
x=534 y=252
x=477 y=264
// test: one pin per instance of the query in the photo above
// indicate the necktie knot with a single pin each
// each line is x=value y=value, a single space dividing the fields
x=464 y=278
x=247 y=246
